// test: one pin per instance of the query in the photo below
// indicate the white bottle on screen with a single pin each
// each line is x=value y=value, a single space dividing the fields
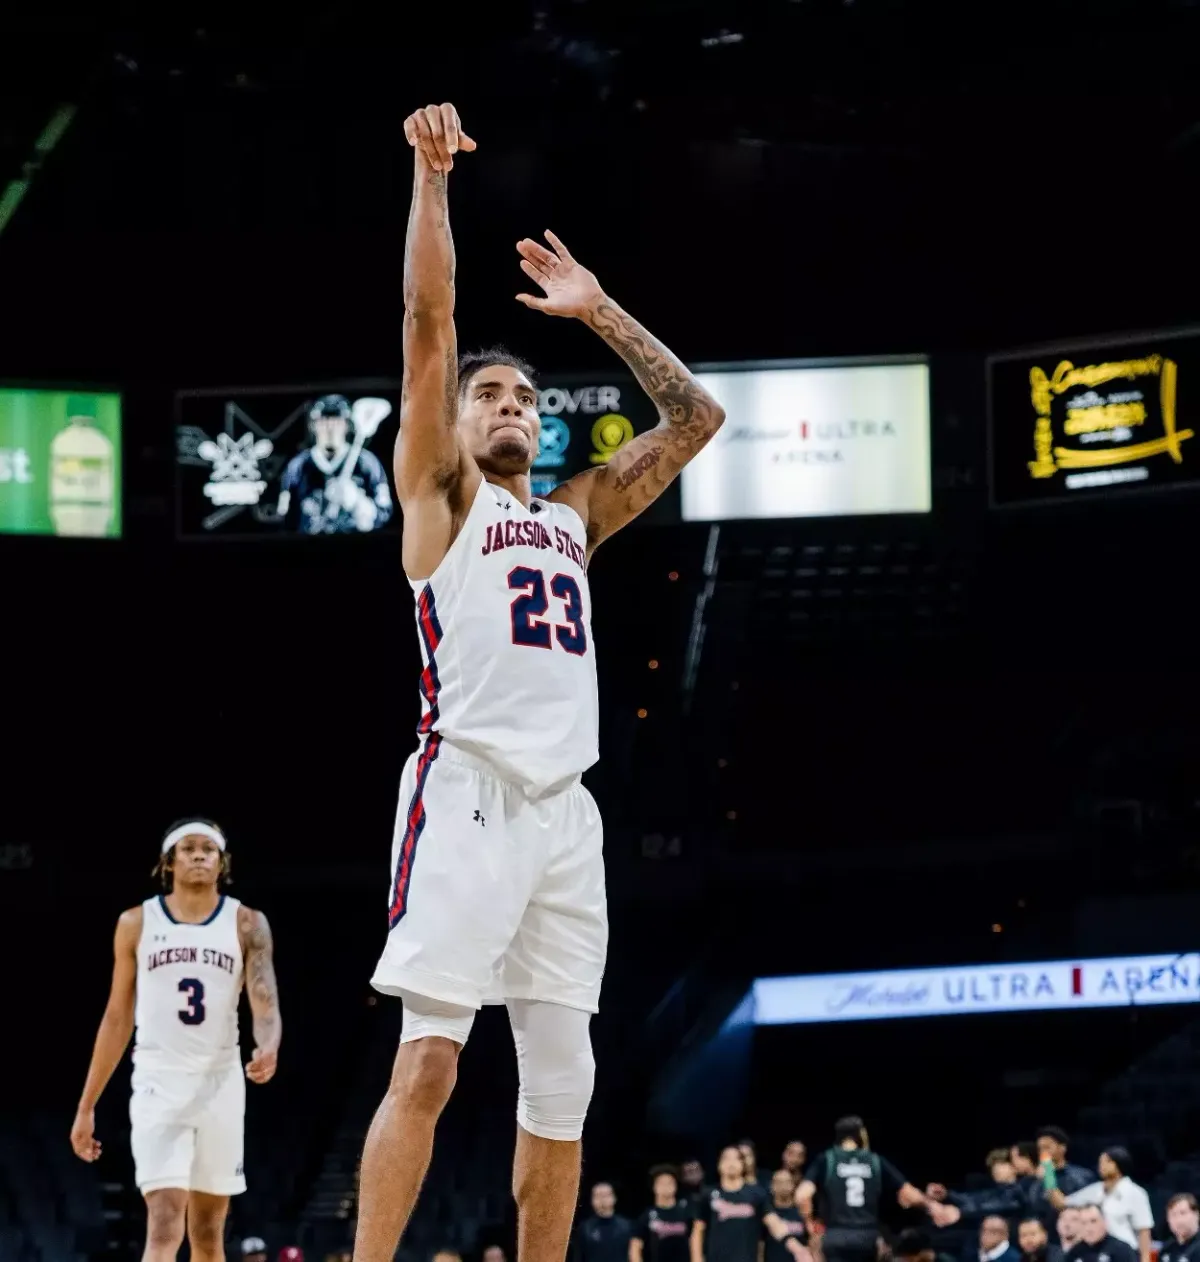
x=81 y=474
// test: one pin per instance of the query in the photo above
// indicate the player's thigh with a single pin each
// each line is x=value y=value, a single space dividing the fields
x=217 y=1163
x=459 y=881
x=558 y=952
x=163 y=1146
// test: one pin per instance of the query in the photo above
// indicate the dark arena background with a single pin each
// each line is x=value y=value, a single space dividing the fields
x=905 y=678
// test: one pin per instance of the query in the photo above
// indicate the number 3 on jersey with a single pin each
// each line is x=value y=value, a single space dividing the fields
x=194 y=1013
x=529 y=626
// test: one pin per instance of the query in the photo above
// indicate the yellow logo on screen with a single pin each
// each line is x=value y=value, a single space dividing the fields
x=609 y=434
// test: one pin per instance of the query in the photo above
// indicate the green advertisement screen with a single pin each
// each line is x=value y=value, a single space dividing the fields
x=60 y=463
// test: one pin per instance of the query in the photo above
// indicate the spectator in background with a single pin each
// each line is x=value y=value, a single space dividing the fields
x=1024 y=1157
x=605 y=1236
x=254 y=1249
x=730 y=1222
x=493 y=1253
x=750 y=1162
x=1007 y=1196
x=291 y=1253
x=1034 y=1244
x=994 y=1244
x=1055 y=1172
x=783 y=1202
x=1183 y=1222
x=1095 y=1244
x=1067 y=1227
x=447 y=1255
x=664 y=1231
x=691 y=1181
x=794 y=1159
x=1000 y=1166
x=1124 y=1204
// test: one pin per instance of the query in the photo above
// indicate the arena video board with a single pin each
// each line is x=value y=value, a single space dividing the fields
x=1085 y=419
x=285 y=461
x=814 y=439
x=60 y=463
x=292 y=461
x=1143 y=980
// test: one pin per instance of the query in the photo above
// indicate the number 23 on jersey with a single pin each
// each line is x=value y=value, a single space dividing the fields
x=531 y=627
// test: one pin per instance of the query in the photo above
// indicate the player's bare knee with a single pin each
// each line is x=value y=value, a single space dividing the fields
x=425 y=1072
x=166 y=1212
x=206 y=1233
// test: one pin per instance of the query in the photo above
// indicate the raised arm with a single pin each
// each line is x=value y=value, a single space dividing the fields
x=611 y=496
x=262 y=990
x=112 y=1038
x=427 y=459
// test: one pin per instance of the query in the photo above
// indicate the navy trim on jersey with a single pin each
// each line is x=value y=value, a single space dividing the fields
x=431 y=636
x=162 y=902
x=414 y=827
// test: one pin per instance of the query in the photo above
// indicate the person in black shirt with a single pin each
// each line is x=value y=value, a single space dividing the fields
x=732 y=1217
x=1096 y=1244
x=1034 y=1244
x=783 y=1203
x=845 y=1187
x=750 y=1171
x=1183 y=1222
x=1056 y=1174
x=691 y=1182
x=664 y=1231
x=604 y=1237
x=794 y=1159
x=914 y=1245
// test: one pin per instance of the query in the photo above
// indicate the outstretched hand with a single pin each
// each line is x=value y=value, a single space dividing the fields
x=437 y=135
x=569 y=287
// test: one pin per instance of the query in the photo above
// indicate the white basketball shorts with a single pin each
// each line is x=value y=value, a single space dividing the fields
x=188 y=1129
x=493 y=895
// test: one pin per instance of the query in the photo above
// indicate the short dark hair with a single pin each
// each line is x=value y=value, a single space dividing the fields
x=910 y=1242
x=661 y=1169
x=747 y=1143
x=1032 y=1218
x=472 y=361
x=1187 y=1198
x=1055 y=1133
x=849 y=1127
x=1121 y=1157
x=164 y=869
x=1027 y=1148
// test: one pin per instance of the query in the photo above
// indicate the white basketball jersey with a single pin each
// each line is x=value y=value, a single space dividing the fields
x=505 y=624
x=189 y=980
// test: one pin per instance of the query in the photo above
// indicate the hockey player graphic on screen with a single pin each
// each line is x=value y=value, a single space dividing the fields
x=337 y=486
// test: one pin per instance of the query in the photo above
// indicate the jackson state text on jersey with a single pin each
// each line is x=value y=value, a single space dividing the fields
x=506 y=639
x=189 y=978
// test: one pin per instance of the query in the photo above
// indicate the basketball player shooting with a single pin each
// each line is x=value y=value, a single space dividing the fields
x=179 y=964
x=497 y=881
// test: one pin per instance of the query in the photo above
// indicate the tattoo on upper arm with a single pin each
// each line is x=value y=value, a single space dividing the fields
x=642 y=465
x=260 y=966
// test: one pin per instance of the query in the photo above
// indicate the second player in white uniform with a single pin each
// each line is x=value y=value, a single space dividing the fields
x=496 y=881
x=180 y=962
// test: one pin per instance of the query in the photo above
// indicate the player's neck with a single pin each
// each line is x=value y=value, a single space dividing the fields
x=191 y=906
x=732 y=1185
x=516 y=484
x=660 y=1203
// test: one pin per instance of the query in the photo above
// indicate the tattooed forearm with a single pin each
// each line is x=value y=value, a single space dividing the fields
x=428 y=244
x=691 y=412
x=261 y=987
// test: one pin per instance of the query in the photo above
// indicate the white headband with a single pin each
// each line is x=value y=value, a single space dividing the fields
x=195 y=829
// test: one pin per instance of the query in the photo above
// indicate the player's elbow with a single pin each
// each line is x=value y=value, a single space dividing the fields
x=428 y=305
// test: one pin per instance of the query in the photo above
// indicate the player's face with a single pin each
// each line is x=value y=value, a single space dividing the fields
x=499 y=419
x=197 y=862
x=730 y=1165
x=1183 y=1220
x=1068 y=1224
x=329 y=433
x=783 y=1187
x=1031 y=1236
x=692 y=1174
x=793 y=1155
